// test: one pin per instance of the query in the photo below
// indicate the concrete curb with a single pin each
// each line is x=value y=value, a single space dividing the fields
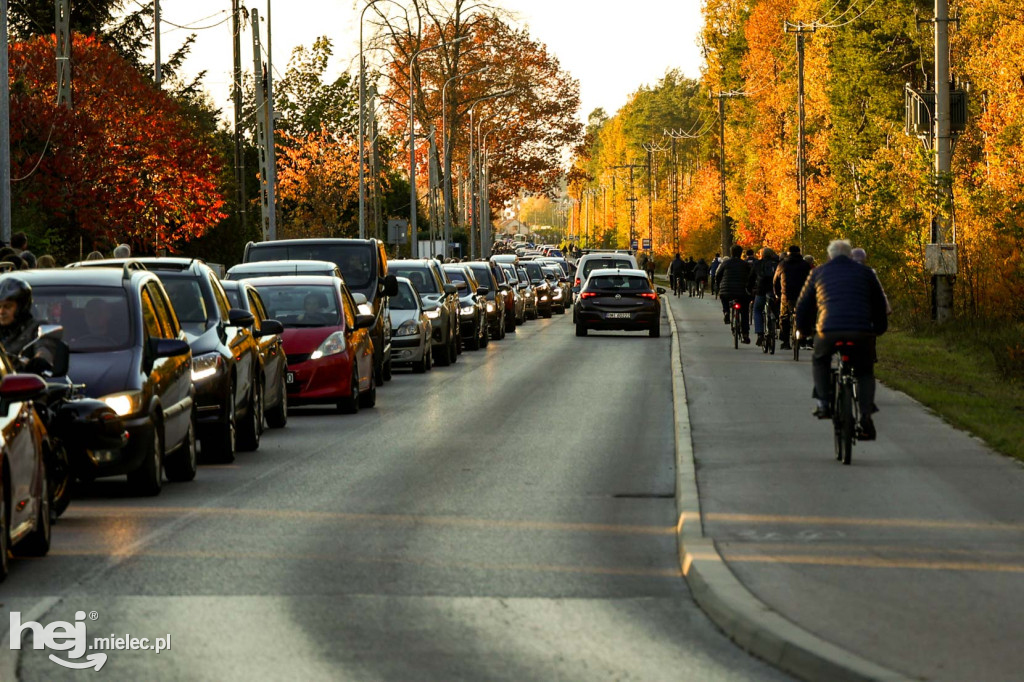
x=744 y=618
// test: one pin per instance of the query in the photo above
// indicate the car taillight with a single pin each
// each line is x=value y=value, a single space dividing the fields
x=649 y=294
x=588 y=294
x=577 y=282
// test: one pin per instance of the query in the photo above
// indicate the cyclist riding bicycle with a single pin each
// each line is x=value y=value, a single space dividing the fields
x=675 y=272
x=700 y=276
x=716 y=262
x=733 y=280
x=789 y=281
x=764 y=272
x=843 y=301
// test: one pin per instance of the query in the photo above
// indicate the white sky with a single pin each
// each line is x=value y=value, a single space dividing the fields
x=612 y=47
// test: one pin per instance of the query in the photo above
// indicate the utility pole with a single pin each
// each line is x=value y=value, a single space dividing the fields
x=675 y=197
x=726 y=226
x=801 y=30
x=271 y=144
x=651 y=148
x=632 y=199
x=236 y=45
x=5 y=131
x=943 y=231
x=157 y=75
x=63 y=28
x=261 y=78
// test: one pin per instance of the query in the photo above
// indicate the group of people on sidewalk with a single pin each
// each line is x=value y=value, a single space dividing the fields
x=840 y=300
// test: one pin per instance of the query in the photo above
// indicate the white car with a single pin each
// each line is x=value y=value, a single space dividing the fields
x=598 y=261
x=411 y=330
x=283 y=268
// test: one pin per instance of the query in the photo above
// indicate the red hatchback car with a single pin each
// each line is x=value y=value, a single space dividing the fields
x=326 y=340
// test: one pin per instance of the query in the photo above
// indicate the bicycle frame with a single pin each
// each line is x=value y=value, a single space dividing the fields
x=845 y=406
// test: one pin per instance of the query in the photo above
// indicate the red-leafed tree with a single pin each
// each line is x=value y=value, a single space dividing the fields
x=122 y=165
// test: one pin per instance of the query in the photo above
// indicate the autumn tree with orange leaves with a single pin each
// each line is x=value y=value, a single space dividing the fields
x=122 y=165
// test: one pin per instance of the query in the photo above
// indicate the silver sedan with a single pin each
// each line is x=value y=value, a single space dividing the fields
x=410 y=329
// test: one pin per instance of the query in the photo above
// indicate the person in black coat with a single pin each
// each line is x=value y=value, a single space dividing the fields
x=733 y=280
x=842 y=300
x=788 y=282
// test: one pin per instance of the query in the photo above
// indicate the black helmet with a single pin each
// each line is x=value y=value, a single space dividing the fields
x=17 y=290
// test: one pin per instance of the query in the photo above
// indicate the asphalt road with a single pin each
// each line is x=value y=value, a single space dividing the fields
x=508 y=518
x=913 y=557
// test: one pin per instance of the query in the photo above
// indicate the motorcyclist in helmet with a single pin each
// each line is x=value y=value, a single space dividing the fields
x=18 y=327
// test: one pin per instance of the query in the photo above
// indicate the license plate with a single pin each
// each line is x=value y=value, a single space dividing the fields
x=289 y=378
x=618 y=316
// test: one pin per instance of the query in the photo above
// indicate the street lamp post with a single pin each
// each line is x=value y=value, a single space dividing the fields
x=412 y=141
x=447 y=155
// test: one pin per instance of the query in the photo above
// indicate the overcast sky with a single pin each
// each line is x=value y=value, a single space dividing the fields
x=611 y=47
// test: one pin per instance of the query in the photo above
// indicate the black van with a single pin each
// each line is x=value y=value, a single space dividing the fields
x=364 y=267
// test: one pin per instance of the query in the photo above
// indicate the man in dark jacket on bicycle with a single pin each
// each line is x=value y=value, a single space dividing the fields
x=789 y=281
x=734 y=280
x=843 y=301
x=675 y=272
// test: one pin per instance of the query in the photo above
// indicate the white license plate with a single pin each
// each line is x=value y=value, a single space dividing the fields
x=289 y=378
x=618 y=316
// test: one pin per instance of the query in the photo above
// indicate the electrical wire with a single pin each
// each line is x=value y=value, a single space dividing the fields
x=849 y=21
x=200 y=28
x=42 y=155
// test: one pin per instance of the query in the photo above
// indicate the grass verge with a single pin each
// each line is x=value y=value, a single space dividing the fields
x=963 y=375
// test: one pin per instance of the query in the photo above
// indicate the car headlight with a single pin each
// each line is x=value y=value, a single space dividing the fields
x=544 y=298
x=332 y=345
x=490 y=307
x=206 y=365
x=125 y=404
x=408 y=328
x=467 y=309
x=433 y=313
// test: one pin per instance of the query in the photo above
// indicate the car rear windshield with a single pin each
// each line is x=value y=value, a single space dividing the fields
x=419 y=275
x=189 y=300
x=354 y=260
x=618 y=283
x=95 y=319
x=483 y=276
x=405 y=299
x=301 y=305
x=511 y=272
x=603 y=263
x=535 y=271
x=457 y=276
x=234 y=298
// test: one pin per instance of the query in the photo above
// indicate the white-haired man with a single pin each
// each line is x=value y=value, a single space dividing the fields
x=842 y=300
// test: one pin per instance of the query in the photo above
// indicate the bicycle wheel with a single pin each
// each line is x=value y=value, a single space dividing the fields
x=735 y=330
x=847 y=423
x=769 y=338
x=794 y=339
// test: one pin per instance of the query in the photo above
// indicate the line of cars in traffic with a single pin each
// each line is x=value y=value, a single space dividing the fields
x=174 y=364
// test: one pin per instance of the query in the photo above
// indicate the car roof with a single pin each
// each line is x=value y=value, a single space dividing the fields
x=293 y=280
x=100 y=277
x=282 y=264
x=631 y=272
x=312 y=240
x=415 y=261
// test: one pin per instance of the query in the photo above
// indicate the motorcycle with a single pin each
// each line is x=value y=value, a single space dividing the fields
x=77 y=426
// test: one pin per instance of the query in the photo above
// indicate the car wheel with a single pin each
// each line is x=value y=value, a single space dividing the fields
x=485 y=335
x=453 y=347
x=378 y=369
x=388 y=370
x=428 y=357
x=581 y=329
x=655 y=330
x=368 y=399
x=37 y=543
x=474 y=343
x=252 y=424
x=441 y=355
x=420 y=366
x=182 y=465
x=5 y=531
x=219 y=446
x=60 y=481
x=148 y=479
x=350 y=405
x=277 y=416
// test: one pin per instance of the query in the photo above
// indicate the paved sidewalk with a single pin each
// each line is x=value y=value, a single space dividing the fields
x=912 y=558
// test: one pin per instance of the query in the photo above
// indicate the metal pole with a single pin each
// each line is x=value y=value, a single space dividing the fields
x=157 y=76
x=726 y=232
x=237 y=97
x=271 y=146
x=362 y=124
x=5 y=131
x=801 y=146
x=472 y=185
x=943 y=284
x=675 y=197
x=412 y=161
x=650 y=196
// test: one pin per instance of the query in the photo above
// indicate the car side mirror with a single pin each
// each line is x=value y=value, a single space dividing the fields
x=482 y=291
x=563 y=280
x=504 y=287
x=662 y=291
x=240 y=318
x=391 y=285
x=450 y=289
x=270 y=328
x=365 y=321
x=169 y=348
